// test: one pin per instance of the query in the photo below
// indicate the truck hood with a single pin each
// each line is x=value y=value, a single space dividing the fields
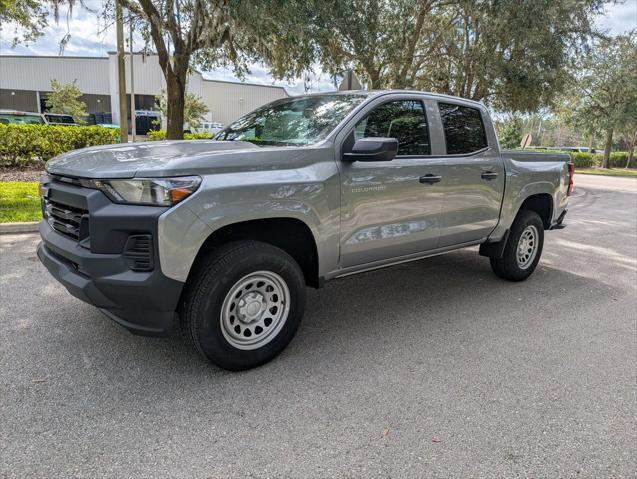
x=165 y=158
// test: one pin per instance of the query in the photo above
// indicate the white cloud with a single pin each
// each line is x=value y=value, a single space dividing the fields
x=620 y=17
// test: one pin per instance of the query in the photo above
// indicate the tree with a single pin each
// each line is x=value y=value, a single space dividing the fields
x=29 y=17
x=194 y=108
x=512 y=54
x=180 y=30
x=605 y=94
x=629 y=135
x=65 y=98
x=510 y=132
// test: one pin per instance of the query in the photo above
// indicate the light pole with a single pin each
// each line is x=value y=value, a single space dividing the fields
x=133 y=125
x=121 y=74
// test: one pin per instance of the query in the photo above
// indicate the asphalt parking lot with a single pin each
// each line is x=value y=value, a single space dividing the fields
x=429 y=369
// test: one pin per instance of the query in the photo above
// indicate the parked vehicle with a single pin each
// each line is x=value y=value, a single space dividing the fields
x=573 y=149
x=209 y=127
x=577 y=149
x=59 y=119
x=221 y=237
x=147 y=120
x=21 y=118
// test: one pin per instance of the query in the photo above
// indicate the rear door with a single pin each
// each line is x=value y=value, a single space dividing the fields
x=472 y=173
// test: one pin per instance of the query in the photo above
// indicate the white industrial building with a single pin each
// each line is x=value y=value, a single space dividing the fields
x=26 y=80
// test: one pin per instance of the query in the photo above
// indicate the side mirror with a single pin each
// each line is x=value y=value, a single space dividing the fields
x=373 y=149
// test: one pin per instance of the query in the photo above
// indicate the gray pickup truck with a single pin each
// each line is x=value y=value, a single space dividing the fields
x=219 y=238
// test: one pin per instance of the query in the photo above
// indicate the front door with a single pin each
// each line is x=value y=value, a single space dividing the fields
x=388 y=210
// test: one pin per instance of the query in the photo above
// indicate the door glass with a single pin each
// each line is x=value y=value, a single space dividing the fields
x=464 y=130
x=404 y=120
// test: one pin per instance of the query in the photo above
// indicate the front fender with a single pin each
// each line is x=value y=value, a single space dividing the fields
x=309 y=194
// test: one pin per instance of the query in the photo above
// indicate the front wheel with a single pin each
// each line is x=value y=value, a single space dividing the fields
x=244 y=304
x=523 y=248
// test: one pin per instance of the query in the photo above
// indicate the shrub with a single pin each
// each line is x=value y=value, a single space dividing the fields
x=197 y=136
x=584 y=160
x=159 y=135
x=618 y=159
x=22 y=145
x=156 y=135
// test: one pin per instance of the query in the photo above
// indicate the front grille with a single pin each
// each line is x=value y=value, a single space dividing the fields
x=65 y=219
x=67 y=179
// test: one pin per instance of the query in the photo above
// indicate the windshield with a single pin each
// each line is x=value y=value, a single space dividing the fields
x=292 y=121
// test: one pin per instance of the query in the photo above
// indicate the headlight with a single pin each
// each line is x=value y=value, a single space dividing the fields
x=149 y=191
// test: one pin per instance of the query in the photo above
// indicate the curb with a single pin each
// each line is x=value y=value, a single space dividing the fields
x=17 y=228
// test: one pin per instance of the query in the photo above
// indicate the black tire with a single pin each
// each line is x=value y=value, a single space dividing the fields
x=508 y=267
x=216 y=275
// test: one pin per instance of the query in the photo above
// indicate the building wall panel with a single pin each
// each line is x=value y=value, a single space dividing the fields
x=36 y=73
x=228 y=101
x=15 y=99
x=97 y=79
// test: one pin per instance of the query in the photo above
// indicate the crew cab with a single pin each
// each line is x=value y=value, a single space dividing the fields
x=221 y=237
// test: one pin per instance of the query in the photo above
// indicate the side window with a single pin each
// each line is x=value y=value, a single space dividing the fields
x=404 y=120
x=464 y=130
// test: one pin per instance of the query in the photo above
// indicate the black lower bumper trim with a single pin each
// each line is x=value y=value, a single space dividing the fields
x=143 y=302
x=163 y=323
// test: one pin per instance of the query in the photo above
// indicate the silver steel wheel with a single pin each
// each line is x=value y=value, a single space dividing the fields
x=255 y=309
x=527 y=246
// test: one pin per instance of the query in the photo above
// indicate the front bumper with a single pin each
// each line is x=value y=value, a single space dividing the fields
x=98 y=271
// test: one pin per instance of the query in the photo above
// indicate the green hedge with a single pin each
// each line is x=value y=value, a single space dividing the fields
x=158 y=135
x=618 y=159
x=584 y=160
x=22 y=145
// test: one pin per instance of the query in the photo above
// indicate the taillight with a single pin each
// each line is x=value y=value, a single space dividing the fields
x=571 y=174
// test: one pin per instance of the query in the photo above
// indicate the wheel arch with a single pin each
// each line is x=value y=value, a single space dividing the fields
x=292 y=235
x=542 y=204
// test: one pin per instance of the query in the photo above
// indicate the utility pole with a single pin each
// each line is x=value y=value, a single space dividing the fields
x=132 y=78
x=121 y=74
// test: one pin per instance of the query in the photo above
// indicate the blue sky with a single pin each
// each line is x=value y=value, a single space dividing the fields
x=90 y=37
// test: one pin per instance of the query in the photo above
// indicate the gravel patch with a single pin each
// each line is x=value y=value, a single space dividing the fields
x=21 y=174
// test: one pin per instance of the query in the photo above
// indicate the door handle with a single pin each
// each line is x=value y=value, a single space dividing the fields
x=489 y=175
x=430 y=179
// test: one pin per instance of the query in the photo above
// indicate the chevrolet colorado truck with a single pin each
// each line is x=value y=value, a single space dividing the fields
x=219 y=238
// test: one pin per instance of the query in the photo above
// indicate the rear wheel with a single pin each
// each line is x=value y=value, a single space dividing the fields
x=523 y=248
x=244 y=305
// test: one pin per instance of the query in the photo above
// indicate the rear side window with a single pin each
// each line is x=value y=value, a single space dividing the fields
x=464 y=130
x=404 y=120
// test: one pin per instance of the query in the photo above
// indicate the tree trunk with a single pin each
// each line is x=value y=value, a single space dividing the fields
x=176 y=93
x=631 y=151
x=374 y=77
x=175 y=106
x=607 y=148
